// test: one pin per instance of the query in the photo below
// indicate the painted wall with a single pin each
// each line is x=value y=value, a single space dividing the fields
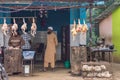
x=8 y=20
x=75 y=14
x=57 y=19
x=110 y=29
x=116 y=33
x=105 y=29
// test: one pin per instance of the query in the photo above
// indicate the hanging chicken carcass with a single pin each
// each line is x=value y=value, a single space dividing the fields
x=73 y=30
x=79 y=26
x=85 y=27
x=14 y=27
x=33 y=28
x=5 y=28
x=24 y=26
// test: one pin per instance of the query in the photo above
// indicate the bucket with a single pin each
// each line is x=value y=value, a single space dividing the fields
x=67 y=64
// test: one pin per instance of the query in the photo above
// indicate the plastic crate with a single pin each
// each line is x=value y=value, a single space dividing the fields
x=28 y=54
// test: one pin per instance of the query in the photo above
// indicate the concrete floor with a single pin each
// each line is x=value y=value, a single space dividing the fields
x=62 y=74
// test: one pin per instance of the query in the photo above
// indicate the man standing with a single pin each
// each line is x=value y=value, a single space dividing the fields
x=27 y=39
x=50 y=52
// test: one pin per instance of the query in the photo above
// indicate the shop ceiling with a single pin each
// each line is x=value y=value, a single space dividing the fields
x=49 y=4
x=51 y=0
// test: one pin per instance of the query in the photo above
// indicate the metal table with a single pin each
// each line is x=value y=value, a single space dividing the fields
x=105 y=50
x=97 y=51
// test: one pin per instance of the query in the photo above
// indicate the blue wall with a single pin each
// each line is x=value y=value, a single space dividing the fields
x=77 y=13
x=74 y=15
x=8 y=20
x=56 y=19
x=82 y=15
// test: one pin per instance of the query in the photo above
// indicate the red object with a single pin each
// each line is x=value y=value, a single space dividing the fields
x=43 y=22
x=79 y=30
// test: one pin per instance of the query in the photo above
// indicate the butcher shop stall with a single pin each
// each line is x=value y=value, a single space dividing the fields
x=82 y=46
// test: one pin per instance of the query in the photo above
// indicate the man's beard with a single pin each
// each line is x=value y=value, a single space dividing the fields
x=49 y=32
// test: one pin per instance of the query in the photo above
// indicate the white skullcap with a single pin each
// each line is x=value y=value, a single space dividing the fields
x=51 y=28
